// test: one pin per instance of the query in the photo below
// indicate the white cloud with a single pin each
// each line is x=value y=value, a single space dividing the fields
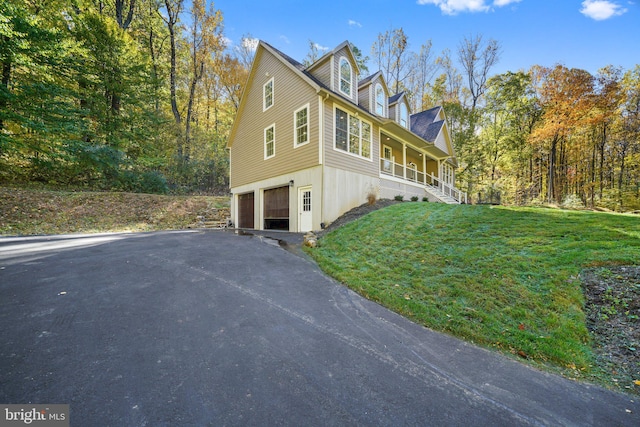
x=250 y=43
x=500 y=3
x=353 y=23
x=285 y=39
x=453 y=7
x=601 y=9
x=320 y=47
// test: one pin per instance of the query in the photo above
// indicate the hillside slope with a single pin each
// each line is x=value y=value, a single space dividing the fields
x=505 y=278
x=30 y=212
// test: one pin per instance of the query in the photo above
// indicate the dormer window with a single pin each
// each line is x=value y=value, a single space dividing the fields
x=380 y=100
x=404 y=115
x=345 y=77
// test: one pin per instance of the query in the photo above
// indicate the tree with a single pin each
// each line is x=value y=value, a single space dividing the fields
x=313 y=55
x=509 y=116
x=206 y=44
x=246 y=50
x=477 y=58
x=566 y=99
x=174 y=9
x=424 y=68
x=361 y=60
x=392 y=57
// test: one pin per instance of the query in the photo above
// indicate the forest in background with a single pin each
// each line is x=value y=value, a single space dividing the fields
x=140 y=95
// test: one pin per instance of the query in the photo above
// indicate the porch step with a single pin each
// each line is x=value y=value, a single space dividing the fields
x=435 y=192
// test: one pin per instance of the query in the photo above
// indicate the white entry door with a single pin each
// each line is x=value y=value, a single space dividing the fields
x=305 y=222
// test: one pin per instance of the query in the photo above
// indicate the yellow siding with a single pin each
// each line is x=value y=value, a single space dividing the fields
x=247 y=148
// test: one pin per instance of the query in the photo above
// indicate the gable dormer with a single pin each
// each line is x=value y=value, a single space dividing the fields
x=399 y=109
x=339 y=71
x=373 y=95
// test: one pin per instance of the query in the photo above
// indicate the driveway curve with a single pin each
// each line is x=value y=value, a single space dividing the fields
x=204 y=328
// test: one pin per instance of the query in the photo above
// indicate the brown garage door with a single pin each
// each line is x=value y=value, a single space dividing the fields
x=276 y=209
x=245 y=210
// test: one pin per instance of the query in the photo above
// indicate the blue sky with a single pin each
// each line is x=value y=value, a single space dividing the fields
x=587 y=34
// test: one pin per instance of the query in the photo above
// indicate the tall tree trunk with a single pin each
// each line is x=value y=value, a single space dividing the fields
x=124 y=21
x=171 y=21
x=6 y=77
x=603 y=142
x=551 y=188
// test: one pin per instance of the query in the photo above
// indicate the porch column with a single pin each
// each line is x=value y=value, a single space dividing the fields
x=424 y=168
x=404 y=160
x=439 y=172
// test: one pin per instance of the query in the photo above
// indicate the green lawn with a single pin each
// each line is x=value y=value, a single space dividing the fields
x=502 y=277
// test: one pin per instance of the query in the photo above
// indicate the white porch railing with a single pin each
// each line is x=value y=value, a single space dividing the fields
x=396 y=170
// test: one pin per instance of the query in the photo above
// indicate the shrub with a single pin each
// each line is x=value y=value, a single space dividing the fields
x=399 y=198
x=142 y=182
x=572 y=202
x=425 y=199
x=414 y=198
x=371 y=198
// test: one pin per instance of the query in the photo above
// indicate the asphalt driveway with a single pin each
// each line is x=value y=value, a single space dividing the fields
x=214 y=328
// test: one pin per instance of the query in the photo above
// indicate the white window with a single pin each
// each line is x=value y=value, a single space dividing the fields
x=301 y=126
x=346 y=74
x=270 y=142
x=380 y=101
x=267 y=91
x=447 y=174
x=387 y=155
x=352 y=134
x=404 y=115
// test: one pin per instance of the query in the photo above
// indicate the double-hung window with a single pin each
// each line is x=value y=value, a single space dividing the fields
x=267 y=91
x=270 y=142
x=301 y=126
x=352 y=134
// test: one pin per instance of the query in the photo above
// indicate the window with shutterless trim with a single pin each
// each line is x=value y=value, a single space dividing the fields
x=404 y=115
x=346 y=77
x=270 y=141
x=267 y=91
x=301 y=126
x=352 y=134
x=380 y=100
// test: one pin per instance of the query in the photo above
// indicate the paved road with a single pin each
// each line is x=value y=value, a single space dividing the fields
x=214 y=328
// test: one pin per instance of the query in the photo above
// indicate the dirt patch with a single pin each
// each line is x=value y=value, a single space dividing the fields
x=356 y=213
x=613 y=318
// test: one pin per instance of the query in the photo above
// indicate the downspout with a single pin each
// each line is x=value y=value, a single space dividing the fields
x=321 y=148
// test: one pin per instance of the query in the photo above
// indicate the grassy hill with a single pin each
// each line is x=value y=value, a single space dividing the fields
x=503 y=277
x=29 y=212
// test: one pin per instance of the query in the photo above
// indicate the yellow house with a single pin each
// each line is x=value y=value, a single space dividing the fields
x=310 y=143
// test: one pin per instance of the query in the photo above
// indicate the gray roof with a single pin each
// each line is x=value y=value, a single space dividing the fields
x=424 y=125
x=395 y=97
x=368 y=79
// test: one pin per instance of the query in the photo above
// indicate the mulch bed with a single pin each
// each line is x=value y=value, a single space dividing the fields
x=613 y=317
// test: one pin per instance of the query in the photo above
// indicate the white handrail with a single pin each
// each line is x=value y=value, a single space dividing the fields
x=389 y=167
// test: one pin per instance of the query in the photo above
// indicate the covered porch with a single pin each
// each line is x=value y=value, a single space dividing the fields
x=403 y=162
